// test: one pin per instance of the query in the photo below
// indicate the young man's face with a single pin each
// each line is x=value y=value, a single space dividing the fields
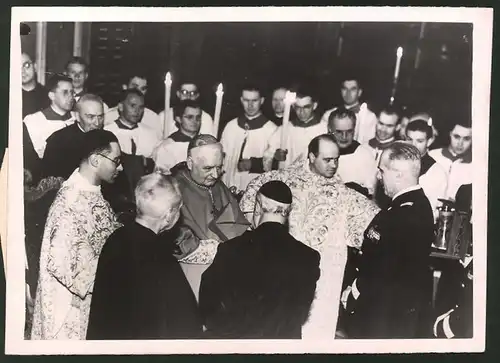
x=278 y=101
x=350 y=92
x=343 y=129
x=460 y=139
x=110 y=164
x=251 y=102
x=419 y=140
x=304 y=108
x=132 y=108
x=27 y=69
x=386 y=126
x=191 y=120
x=327 y=161
x=63 y=96
x=138 y=83
x=78 y=74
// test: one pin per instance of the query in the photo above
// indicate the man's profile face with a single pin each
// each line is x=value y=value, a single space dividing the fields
x=132 y=108
x=257 y=211
x=387 y=175
x=63 y=96
x=188 y=91
x=386 y=126
x=110 y=164
x=460 y=139
x=251 y=102
x=304 y=108
x=278 y=101
x=91 y=115
x=350 y=92
x=138 y=83
x=78 y=74
x=191 y=120
x=343 y=129
x=327 y=161
x=27 y=69
x=419 y=140
x=205 y=164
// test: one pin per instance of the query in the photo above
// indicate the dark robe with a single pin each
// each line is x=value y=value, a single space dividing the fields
x=394 y=278
x=31 y=159
x=63 y=152
x=35 y=100
x=259 y=286
x=140 y=291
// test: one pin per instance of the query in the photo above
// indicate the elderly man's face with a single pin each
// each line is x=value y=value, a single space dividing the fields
x=172 y=213
x=90 y=115
x=343 y=129
x=327 y=161
x=388 y=175
x=205 y=164
x=132 y=108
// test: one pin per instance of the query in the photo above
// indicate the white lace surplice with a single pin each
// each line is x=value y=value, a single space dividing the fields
x=328 y=217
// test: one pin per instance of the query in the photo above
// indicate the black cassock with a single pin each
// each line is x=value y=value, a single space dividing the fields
x=394 y=278
x=140 y=291
x=259 y=286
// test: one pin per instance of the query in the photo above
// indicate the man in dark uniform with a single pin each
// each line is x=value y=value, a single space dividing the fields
x=392 y=291
x=261 y=284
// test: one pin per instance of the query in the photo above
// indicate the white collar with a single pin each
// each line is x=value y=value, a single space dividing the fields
x=77 y=179
x=407 y=190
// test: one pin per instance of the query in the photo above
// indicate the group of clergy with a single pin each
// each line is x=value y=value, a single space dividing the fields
x=191 y=236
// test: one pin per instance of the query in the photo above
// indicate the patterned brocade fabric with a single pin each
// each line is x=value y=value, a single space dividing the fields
x=79 y=222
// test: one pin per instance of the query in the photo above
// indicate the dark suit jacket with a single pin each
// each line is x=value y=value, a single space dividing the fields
x=140 y=290
x=394 y=278
x=260 y=286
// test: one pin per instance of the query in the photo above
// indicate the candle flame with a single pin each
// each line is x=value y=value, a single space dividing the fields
x=429 y=122
x=168 y=78
x=399 y=52
x=290 y=96
x=219 y=88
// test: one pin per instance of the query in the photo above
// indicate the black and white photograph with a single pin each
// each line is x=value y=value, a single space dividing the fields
x=247 y=180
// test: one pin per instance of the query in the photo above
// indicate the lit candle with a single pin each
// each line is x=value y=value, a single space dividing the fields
x=289 y=100
x=166 y=116
x=399 y=55
x=218 y=105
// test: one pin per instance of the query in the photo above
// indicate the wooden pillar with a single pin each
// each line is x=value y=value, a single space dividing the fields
x=77 y=39
x=41 y=51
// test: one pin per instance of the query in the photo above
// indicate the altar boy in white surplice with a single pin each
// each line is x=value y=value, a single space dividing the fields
x=244 y=141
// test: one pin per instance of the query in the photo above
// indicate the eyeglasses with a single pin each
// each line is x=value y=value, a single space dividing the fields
x=188 y=93
x=27 y=65
x=116 y=162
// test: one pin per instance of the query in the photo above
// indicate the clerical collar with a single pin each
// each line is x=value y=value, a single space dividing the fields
x=314 y=120
x=426 y=163
x=83 y=184
x=80 y=94
x=406 y=190
x=354 y=108
x=465 y=157
x=350 y=149
x=122 y=126
x=377 y=144
x=178 y=136
x=51 y=115
x=79 y=127
x=252 y=123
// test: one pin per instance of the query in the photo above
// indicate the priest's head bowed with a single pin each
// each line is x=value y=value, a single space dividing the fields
x=273 y=203
x=324 y=152
x=205 y=158
x=158 y=200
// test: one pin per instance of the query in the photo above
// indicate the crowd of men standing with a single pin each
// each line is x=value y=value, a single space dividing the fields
x=325 y=232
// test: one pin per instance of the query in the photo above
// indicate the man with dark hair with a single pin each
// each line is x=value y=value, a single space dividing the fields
x=42 y=124
x=301 y=130
x=77 y=70
x=79 y=222
x=35 y=96
x=433 y=177
x=138 y=260
x=278 y=105
x=385 y=132
x=245 y=140
x=261 y=284
x=327 y=216
x=351 y=91
x=189 y=90
x=456 y=159
x=357 y=168
x=209 y=211
x=63 y=152
x=173 y=150
x=393 y=288
x=139 y=82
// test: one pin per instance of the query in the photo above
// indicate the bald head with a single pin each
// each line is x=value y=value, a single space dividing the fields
x=90 y=112
x=158 y=200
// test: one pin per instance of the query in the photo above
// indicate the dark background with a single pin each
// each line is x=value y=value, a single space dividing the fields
x=272 y=54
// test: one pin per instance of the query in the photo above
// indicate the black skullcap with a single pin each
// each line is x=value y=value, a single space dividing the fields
x=277 y=191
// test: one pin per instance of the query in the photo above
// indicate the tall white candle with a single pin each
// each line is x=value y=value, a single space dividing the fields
x=166 y=116
x=218 y=105
x=289 y=100
x=399 y=55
